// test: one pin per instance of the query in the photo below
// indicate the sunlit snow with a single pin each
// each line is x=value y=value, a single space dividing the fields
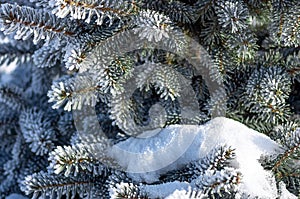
x=177 y=145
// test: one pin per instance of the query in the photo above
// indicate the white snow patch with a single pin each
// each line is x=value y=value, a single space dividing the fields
x=249 y=145
x=178 y=145
x=166 y=189
x=145 y=157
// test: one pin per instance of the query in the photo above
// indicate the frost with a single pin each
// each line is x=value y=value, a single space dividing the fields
x=153 y=26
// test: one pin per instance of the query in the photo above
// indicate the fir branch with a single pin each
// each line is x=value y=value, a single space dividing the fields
x=19 y=2
x=75 y=55
x=211 y=31
x=216 y=160
x=75 y=92
x=26 y=21
x=153 y=80
x=86 y=10
x=268 y=90
x=12 y=97
x=66 y=125
x=243 y=48
x=292 y=181
x=110 y=77
x=38 y=131
x=291 y=29
x=41 y=80
x=278 y=19
x=203 y=6
x=122 y=109
x=9 y=123
x=162 y=79
x=49 y=55
x=293 y=65
x=176 y=10
x=52 y=186
x=79 y=47
x=293 y=150
x=14 y=165
x=16 y=51
x=90 y=159
x=223 y=65
x=283 y=5
x=284 y=132
x=148 y=27
x=153 y=26
x=286 y=165
x=285 y=30
x=232 y=15
x=118 y=177
x=219 y=182
x=128 y=190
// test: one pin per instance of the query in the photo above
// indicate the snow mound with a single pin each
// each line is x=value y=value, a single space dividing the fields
x=176 y=145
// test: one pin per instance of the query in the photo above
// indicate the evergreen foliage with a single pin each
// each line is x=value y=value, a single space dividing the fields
x=84 y=56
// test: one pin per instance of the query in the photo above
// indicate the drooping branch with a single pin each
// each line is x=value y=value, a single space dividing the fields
x=25 y=22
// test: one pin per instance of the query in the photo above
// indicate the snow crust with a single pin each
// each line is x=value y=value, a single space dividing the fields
x=176 y=145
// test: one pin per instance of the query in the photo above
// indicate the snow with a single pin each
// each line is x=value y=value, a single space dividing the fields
x=148 y=157
x=176 y=145
x=249 y=145
x=179 y=194
x=166 y=189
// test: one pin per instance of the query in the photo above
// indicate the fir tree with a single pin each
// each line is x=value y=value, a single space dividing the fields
x=92 y=73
